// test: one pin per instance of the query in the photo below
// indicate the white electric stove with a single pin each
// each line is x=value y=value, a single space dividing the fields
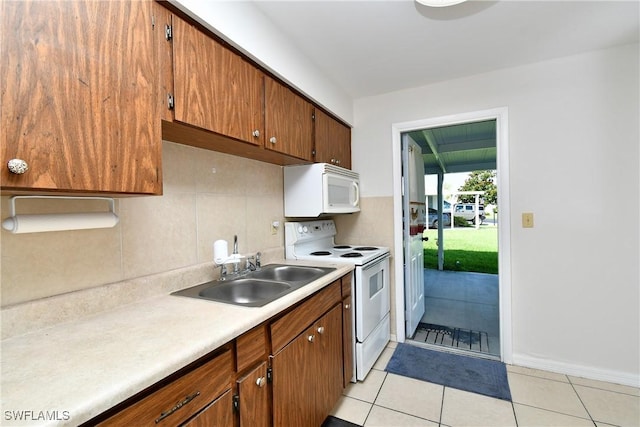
x=314 y=240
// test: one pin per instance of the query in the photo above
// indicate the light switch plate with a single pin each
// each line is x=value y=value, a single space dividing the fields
x=527 y=220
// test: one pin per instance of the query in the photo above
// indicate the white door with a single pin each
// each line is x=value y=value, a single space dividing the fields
x=414 y=219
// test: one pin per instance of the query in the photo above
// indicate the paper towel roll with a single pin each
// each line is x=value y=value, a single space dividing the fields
x=220 y=251
x=59 y=222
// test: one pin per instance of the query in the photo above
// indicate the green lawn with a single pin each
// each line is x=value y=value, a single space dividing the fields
x=465 y=249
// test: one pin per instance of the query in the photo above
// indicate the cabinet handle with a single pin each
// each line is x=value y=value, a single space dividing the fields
x=311 y=338
x=337 y=162
x=333 y=161
x=260 y=382
x=272 y=140
x=256 y=133
x=177 y=406
x=347 y=306
x=320 y=330
x=17 y=166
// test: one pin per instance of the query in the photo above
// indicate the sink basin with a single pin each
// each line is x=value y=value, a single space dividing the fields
x=289 y=273
x=245 y=291
x=257 y=288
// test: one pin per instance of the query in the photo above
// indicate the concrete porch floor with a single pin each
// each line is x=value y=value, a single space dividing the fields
x=464 y=300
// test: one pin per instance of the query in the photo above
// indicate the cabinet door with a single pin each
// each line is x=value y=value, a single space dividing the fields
x=218 y=414
x=333 y=140
x=80 y=96
x=307 y=374
x=254 y=398
x=295 y=377
x=347 y=339
x=329 y=357
x=288 y=121
x=214 y=88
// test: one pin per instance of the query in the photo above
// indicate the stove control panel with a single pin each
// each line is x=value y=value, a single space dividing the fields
x=309 y=230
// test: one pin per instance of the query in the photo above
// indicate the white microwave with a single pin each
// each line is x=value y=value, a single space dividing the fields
x=320 y=189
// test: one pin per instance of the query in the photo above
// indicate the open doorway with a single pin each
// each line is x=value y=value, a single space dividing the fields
x=464 y=311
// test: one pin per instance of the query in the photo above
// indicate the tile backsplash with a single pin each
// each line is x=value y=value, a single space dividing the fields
x=207 y=196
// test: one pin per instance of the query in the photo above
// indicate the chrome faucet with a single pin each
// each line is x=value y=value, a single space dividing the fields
x=235 y=243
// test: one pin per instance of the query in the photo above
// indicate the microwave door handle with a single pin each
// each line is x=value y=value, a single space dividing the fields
x=356 y=187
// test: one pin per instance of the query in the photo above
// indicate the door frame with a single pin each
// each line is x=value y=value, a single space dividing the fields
x=504 y=224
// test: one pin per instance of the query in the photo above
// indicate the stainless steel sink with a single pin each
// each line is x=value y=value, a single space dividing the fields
x=289 y=273
x=257 y=288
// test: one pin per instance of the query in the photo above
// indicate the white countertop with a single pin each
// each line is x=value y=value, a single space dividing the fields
x=71 y=372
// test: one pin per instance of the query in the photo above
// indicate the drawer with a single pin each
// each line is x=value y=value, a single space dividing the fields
x=181 y=398
x=251 y=347
x=297 y=320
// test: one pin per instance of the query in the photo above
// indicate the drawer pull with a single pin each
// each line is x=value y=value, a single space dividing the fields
x=347 y=306
x=320 y=330
x=177 y=406
x=260 y=382
x=311 y=338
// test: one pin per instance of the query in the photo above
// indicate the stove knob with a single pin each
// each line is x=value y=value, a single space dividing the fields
x=305 y=229
x=300 y=229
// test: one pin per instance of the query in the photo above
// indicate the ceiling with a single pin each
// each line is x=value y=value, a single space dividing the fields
x=370 y=47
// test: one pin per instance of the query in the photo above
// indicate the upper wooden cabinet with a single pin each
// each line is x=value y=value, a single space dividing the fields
x=217 y=90
x=288 y=121
x=333 y=140
x=214 y=88
x=80 y=96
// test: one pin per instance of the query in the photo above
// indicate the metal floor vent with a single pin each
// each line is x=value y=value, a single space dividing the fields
x=464 y=339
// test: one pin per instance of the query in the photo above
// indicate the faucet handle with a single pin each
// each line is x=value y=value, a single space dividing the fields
x=258 y=255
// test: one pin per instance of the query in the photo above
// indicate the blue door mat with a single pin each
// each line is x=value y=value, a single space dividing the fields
x=482 y=376
x=464 y=339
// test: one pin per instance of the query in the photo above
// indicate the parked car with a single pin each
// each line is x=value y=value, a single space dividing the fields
x=433 y=218
x=468 y=211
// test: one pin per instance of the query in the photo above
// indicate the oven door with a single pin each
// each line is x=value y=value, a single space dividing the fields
x=372 y=296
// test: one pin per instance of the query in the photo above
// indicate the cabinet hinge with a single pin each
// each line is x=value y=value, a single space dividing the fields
x=170 y=101
x=236 y=403
x=313 y=116
x=313 y=153
x=269 y=374
x=168 y=32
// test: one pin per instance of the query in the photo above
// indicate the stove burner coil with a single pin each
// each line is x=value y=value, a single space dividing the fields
x=342 y=247
x=320 y=253
x=351 y=255
x=365 y=248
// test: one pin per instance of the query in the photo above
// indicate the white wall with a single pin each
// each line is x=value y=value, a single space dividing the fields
x=244 y=26
x=574 y=160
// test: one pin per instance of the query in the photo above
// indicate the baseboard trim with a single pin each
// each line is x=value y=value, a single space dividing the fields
x=577 y=370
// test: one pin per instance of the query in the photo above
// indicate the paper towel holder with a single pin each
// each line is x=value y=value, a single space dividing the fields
x=60 y=221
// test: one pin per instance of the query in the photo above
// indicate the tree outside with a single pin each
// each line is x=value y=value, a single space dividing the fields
x=480 y=181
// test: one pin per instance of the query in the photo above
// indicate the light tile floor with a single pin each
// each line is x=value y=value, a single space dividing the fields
x=540 y=398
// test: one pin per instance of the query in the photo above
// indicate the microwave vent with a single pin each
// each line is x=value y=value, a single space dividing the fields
x=329 y=168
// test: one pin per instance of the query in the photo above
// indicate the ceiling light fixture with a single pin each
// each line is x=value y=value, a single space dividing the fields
x=439 y=3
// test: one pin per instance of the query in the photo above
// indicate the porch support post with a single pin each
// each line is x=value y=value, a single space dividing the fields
x=441 y=222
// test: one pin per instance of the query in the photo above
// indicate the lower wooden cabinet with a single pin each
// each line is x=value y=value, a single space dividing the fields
x=287 y=371
x=254 y=405
x=347 y=340
x=307 y=374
